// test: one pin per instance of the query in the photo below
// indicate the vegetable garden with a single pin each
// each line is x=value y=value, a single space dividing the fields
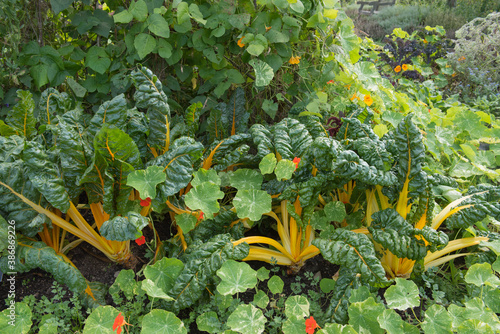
x=246 y=167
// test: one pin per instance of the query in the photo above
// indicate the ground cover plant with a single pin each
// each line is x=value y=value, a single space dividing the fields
x=267 y=173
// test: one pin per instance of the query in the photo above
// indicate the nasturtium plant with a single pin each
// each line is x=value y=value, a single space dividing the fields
x=296 y=307
x=403 y=295
x=162 y=322
x=145 y=181
x=247 y=319
x=19 y=323
x=236 y=277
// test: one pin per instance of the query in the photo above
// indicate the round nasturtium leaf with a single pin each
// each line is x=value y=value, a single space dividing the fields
x=264 y=73
x=162 y=322
x=209 y=322
x=284 y=169
x=204 y=197
x=247 y=319
x=101 y=320
x=145 y=181
x=393 y=324
x=437 y=320
x=294 y=326
x=363 y=316
x=275 y=284
x=186 y=222
x=403 y=295
x=260 y=299
x=123 y=228
x=203 y=175
x=481 y=274
x=164 y=272
x=252 y=203
x=246 y=179
x=268 y=164
x=297 y=307
x=21 y=322
x=327 y=285
x=236 y=277
x=153 y=290
x=263 y=274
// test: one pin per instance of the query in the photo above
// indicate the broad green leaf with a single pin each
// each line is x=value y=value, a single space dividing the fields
x=363 y=316
x=239 y=21
x=294 y=326
x=204 y=197
x=60 y=5
x=267 y=164
x=246 y=179
x=19 y=323
x=209 y=322
x=164 y=273
x=296 y=307
x=195 y=13
x=327 y=285
x=112 y=112
x=45 y=176
x=270 y=108
x=297 y=6
x=275 y=284
x=335 y=211
x=481 y=274
x=260 y=299
x=144 y=44
x=236 y=277
x=252 y=203
x=97 y=59
x=403 y=295
x=337 y=329
x=101 y=320
x=123 y=17
x=126 y=283
x=182 y=13
x=247 y=319
x=263 y=274
x=437 y=320
x=475 y=326
x=21 y=116
x=186 y=222
x=393 y=324
x=360 y=294
x=203 y=175
x=264 y=73
x=284 y=169
x=123 y=228
x=162 y=322
x=154 y=290
x=78 y=89
x=492 y=299
x=139 y=10
x=48 y=325
x=158 y=26
x=145 y=181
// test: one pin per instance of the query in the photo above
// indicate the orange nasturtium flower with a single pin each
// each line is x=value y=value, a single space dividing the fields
x=354 y=97
x=140 y=241
x=368 y=100
x=397 y=69
x=296 y=161
x=119 y=322
x=311 y=325
x=331 y=82
x=268 y=28
x=294 y=60
x=404 y=67
x=146 y=202
x=240 y=43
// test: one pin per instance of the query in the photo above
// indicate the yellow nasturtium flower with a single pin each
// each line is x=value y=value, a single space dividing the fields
x=354 y=97
x=404 y=67
x=397 y=69
x=294 y=60
x=368 y=100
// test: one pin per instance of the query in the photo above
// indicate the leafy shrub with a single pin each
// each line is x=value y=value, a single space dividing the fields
x=470 y=9
x=445 y=17
x=408 y=18
x=476 y=56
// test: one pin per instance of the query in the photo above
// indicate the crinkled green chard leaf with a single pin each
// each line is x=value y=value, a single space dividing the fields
x=227 y=152
x=394 y=233
x=75 y=154
x=51 y=104
x=192 y=118
x=409 y=152
x=11 y=148
x=323 y=153
x=149 y=95
x=314 y=126
x=291 y=138
x=4 y=234
x=123 y=228
x=6 y=130
x=201 y=261
x=137 y=128
x=215 y=127
x=234 y=114
x=483 y=202
x=262 y=138
x=45 y=176
x=339 y=302
x=177 y=164
x=350 y=167
x=35 y=254
x=356 y=252
x=113 y=112
x=373 y=152
x=21 y=117
x=116 y=154
x=353 y=129
x=14 y=182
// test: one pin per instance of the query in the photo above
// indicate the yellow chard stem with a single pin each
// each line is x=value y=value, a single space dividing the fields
x=265 y=240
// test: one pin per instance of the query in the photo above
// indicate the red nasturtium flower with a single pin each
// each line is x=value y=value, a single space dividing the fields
x=296 y=161
x=119 y=322
x=201 y=215
x=311 y=325
x=331 y=82
x=146 y=202
x=140 y=241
